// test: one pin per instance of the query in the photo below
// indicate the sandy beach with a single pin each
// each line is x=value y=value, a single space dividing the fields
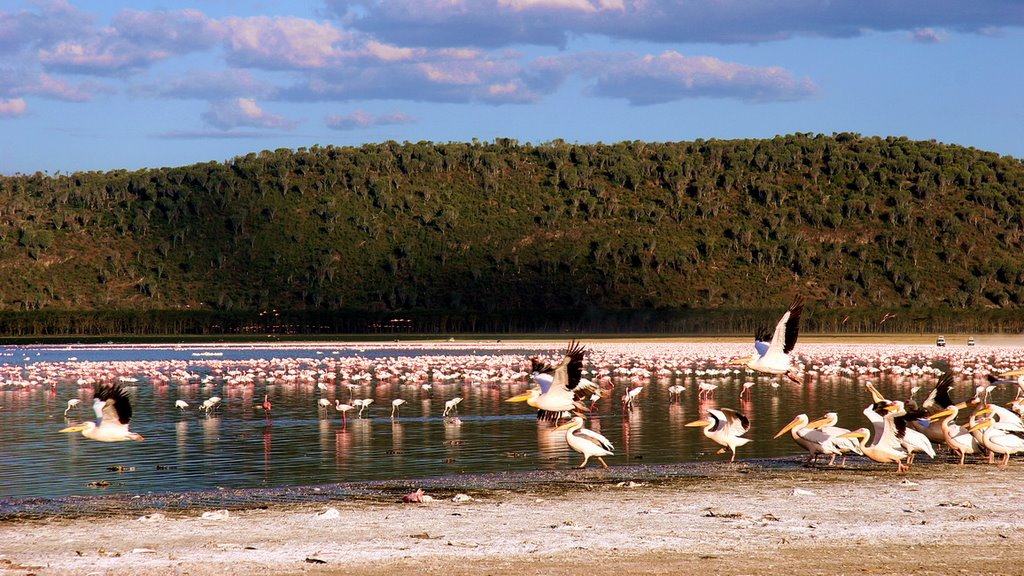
x=762 y=517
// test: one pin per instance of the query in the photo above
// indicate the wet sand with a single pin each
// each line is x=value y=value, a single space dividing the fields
x=762 y=517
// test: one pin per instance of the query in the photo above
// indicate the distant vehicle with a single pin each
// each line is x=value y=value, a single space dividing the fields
x=940 y=341
x=970 y=341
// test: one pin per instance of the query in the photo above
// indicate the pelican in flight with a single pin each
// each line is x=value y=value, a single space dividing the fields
x=113 y=411
x=559 y=393
x=726 y=427
x=586 y=442
x=772 y=350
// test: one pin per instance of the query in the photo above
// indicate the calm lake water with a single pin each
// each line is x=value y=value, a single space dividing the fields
x=297 y=443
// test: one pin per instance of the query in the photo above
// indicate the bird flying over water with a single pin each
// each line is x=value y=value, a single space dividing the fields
x=113 y=412
x=772 y=349
x=560 y=384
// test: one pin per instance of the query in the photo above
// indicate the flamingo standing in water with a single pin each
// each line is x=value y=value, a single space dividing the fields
x=343 y=408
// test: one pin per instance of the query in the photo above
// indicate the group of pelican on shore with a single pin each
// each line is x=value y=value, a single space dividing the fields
x=898 y=429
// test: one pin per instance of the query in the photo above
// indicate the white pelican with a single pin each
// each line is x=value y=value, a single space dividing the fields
x=772 y=350
x=814 y=441
x=958 y=439
x=998 y=441
x=586 y=442
x=559 y=394
x=827 y=424
x=726 y=427
x=71 y=404
x=451 y=406
x=180 y=404
x=113 y=412
x=879 y=451
x=394 y=406
x=910 y=439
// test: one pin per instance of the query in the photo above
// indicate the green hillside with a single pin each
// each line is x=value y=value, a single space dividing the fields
x=690 y=236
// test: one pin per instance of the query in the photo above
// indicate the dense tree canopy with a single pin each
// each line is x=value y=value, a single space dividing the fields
x=503 y=236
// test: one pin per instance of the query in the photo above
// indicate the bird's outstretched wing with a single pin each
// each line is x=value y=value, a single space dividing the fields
x=939 y=399
x=116 y=407
x=570 y=369
x=793 y=323
x=736 y=422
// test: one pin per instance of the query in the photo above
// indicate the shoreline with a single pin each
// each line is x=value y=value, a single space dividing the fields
x=759 y=517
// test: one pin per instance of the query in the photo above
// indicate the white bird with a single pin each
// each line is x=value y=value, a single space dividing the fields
x=706 y=390
x=180 y=404
x=772 y=350
x=726 y=427
x=997 y=441
x=210 y=403
x=814 y=441
x=71 y=404
x=879 y=451
x=629 y=396
x=827 y=424
x=394 y=406
x=587 y=442
x=343 y=408
x=958 y=439
x=559 y=393
x=745 y=391
x=362 y=404
x=113 y=412
x=451 y=406
x=675 y=392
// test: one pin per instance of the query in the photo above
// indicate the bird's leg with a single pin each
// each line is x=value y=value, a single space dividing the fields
x=1006 y=460
x=793 y=378
x=733 y=459
x=605 y=465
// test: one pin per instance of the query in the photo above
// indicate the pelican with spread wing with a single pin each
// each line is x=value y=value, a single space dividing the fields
x=772 y=350
x=113 y=412
x=559 y=384
x=726 y=427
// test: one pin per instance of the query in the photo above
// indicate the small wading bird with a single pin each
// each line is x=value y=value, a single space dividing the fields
x=180 y=404
x=561 y=385
x=71 y=404
x=587 y=442
x=113 y=411
x=451 y=406
x=726 y=427
x=343 y=408
x=772 y=350
x=395 y=404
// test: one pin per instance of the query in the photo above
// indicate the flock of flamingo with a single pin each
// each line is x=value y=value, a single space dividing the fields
x=566 y=390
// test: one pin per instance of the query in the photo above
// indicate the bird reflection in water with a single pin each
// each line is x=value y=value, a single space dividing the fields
x=397 y=435
x=550 y=445
x=181 y=437
x=211 y=430
x=325 y=435
x=266 y=449
x=632 y=430
x=342 y=445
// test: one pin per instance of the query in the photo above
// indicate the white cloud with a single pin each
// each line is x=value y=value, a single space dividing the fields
x=235 y=112
x=360 y=119
x=13 y=108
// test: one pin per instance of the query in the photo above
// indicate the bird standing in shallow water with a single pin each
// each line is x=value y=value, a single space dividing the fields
x=113 y=412
x=586 y=442
x=71 y=404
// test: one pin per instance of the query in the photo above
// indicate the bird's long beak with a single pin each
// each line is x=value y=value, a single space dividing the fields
x=788 y=427
x=853 y=434
x=892 y=408
x=520 y=398
x=985 y=410
x=742 y=361
x=78 y=428
x=876 y=396
x=815 y=424
x=564 y=426
x=983 y=424
x=700 y=423
x=939 y=415
x=1018 y=372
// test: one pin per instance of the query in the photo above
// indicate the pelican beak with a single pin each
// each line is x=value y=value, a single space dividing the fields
x=876 y=396
x=816 y=424
x=892 y=408
x=700 y=423
x=985 y=410
x=853 y=434
x=742 y=361
x=520 y=398
x=788 y=427
x=940 y=415
x=78 y=428
x=565 y=426
x=983 y=424
x=1012 y=373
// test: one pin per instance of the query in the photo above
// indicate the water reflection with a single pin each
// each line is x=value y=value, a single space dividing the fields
x=242 y=445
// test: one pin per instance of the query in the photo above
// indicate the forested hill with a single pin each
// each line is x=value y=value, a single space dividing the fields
x=689 y=236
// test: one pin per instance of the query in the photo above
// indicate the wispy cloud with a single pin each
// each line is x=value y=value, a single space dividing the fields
x=235 y=112
x=360 y=119
x=927 y=36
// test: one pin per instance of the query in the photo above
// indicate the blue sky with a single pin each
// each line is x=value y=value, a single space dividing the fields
x=103 y=85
